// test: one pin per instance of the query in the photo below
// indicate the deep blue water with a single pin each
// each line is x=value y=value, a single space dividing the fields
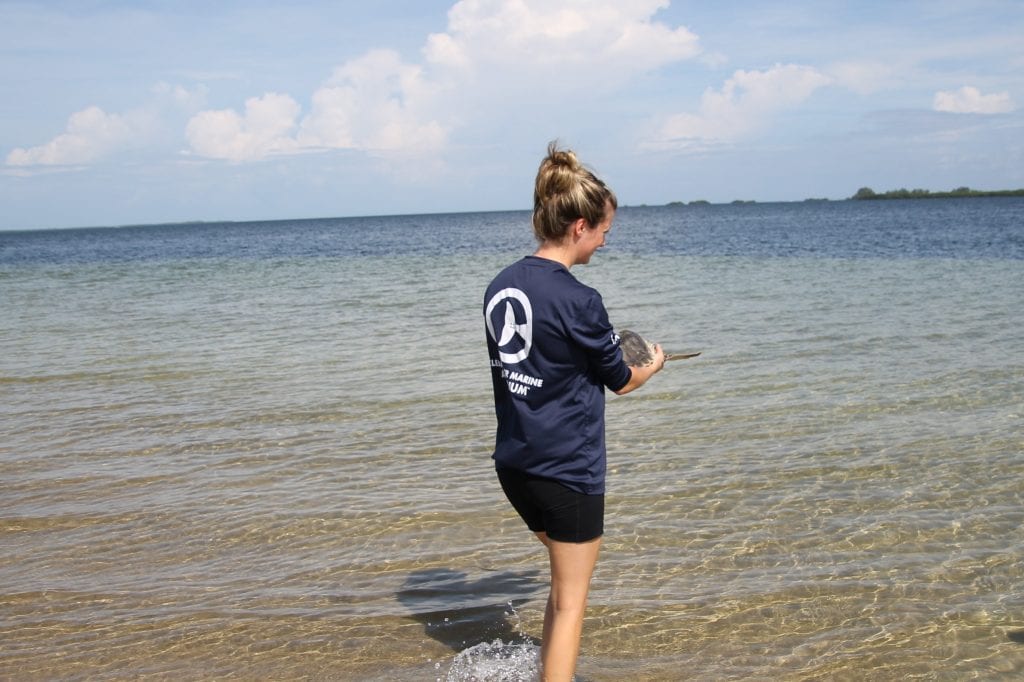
x=982 y=228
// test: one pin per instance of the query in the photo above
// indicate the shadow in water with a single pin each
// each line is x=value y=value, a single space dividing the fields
x=460 y=613
x=1016 y=636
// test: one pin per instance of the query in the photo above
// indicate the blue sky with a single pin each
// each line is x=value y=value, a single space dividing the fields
x=120 y=113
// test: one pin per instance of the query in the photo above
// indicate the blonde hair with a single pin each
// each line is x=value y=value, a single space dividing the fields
x=566 y=191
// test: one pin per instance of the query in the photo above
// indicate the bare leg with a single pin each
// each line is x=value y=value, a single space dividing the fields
x=572 y=565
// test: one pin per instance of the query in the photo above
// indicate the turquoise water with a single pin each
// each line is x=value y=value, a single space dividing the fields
x=260 y=451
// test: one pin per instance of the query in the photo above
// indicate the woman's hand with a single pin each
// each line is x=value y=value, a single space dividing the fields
x=640 y=375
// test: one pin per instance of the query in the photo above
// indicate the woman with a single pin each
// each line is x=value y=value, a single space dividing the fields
x=552 y=352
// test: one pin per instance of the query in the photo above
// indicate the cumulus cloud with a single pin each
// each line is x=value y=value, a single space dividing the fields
x=492 y=52
x=371 y=103
x=969 y=100
x=375 y=102
x=90 y=134
x=745 y=103
x=265 y=128
x=588 y=39
x=93 y=134
x=379 y=103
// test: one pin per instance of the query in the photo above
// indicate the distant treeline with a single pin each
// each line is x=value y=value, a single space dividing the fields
x=868 y=193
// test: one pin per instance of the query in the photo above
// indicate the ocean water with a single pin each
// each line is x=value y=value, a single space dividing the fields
x=261 y=450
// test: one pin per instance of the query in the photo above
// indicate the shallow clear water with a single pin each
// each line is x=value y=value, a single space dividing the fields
x=261 y=451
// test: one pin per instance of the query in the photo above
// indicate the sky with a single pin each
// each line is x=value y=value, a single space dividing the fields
x=156 y=111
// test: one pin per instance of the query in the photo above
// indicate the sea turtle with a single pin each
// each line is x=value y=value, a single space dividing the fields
x=638 y=352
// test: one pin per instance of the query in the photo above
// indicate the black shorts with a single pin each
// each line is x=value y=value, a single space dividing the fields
x=548 y=506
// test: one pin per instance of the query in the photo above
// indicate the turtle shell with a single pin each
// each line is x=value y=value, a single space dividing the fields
x=639 y=352
x=636 y=351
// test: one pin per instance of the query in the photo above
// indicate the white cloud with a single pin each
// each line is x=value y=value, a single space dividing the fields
x=90 y=134
x=264 y=129
x=969 y=100
x=370 y=104
x=94 y=134
x=592 y=40
x=745 y=103
x=375 y=102
x=564 y=55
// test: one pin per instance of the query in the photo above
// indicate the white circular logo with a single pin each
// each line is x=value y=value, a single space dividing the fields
x=516 y=325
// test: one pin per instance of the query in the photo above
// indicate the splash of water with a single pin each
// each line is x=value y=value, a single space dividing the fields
x=498 y=661
x=495 y=661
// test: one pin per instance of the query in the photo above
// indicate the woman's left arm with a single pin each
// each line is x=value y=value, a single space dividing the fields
x=640 y=375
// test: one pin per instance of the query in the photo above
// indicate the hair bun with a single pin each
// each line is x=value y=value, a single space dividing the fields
x=562 y=157
x=565 y=191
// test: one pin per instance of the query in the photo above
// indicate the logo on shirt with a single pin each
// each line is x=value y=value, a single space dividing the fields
x=509 y=317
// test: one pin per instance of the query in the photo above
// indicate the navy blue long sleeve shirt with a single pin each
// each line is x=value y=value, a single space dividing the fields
x=552 y=352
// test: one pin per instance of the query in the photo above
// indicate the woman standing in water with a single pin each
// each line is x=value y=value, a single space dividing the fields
x=552 y=352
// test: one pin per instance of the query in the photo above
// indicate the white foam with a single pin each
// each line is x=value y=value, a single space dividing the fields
x=495 y=661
